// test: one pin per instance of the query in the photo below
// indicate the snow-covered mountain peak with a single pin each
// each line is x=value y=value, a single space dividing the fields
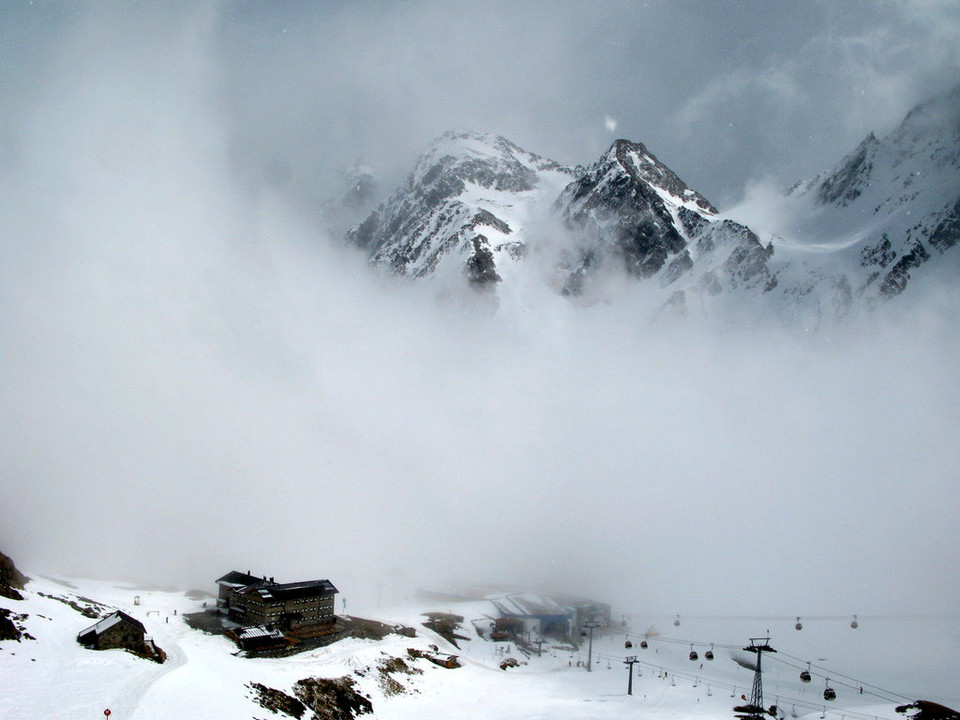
x=487 y=160
x=477 y=204
x=873 y=223
x=462 y=209
x=920 y=158
x=641 y=164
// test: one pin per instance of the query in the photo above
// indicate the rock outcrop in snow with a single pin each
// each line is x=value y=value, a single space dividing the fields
x=11 y=579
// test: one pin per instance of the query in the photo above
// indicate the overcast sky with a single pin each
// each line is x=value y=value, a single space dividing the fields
x=723 y=92
x=194 y=379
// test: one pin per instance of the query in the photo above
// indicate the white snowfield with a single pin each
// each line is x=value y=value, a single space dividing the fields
x=204 y=677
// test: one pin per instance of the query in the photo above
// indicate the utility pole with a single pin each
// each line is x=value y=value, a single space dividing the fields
x=590 y=626
x=755 y=710
x=629 y=661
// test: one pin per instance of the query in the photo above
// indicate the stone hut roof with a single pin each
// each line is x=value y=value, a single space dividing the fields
x=85 y=637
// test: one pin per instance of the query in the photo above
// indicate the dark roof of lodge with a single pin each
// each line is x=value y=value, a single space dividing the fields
x=241 y=579
x=274 y=590
x=296 y=590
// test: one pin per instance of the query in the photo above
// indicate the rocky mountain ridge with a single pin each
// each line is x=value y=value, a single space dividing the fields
x=477 y=206
x=461 y=210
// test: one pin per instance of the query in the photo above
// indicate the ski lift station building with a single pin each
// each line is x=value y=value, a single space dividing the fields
x=554 y=615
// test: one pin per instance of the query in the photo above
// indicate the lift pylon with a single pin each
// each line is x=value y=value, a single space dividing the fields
x=754 y=710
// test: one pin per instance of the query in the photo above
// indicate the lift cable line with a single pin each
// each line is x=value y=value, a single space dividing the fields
x=862 y=688
x=858 y=684
x=718 y=684
x=679 y=641
x=823 y=672
x=849 y=617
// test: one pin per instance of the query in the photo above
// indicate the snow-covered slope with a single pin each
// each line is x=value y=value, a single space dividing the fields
x=463 y=209
x=886 y=216
x=49 y=675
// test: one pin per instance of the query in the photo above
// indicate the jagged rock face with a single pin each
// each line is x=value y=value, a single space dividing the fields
x=626 y=205
x=947 y=233
x=892 y=205
x=461 y=206
x=845 y=185
x=11 y=579
x=858 y=235
x=481 y=269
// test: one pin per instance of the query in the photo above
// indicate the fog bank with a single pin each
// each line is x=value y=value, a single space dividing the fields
x=195 y=379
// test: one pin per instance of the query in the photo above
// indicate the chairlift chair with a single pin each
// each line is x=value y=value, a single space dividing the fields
x=643 y=644
x=693 y=654
x=709 y=653
x=854 y=624
x=799 y=625
x=628 y=644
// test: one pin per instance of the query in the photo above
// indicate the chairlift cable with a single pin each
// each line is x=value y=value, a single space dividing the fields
x=714 y=682
x=835 y=673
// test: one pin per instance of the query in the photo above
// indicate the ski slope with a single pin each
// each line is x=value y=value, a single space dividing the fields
x=54 y=677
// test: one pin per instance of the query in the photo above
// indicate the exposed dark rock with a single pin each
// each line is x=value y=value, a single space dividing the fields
x=446 y=626
x=881 y=253
x=11 y=579
x=747 y=264
x=485 y=217
x=693 y=223
x=846 y=184
x=8 y=629
x=480 y=268
x=947 y=232
x=895 y=281
x=332 y=698
x=615 y=204
x=85 y=606
x=277 y=701
x=365 y=629
x=394 y=666
x=926 y=710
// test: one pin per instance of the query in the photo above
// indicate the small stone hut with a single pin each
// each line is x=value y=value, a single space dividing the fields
x=119 y=630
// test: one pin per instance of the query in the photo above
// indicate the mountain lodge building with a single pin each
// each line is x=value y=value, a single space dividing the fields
x=251 y=600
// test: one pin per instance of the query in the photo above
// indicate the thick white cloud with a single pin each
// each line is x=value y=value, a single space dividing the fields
x=195 y=379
